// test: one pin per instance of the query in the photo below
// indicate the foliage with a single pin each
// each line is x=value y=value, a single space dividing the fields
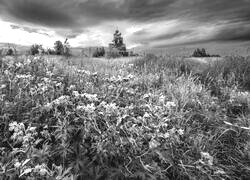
x=99 y=52
x=10 y=52
x=59 y=49
x=202 y=53
x=35 y=49
x=141 y=120
x=51 y=52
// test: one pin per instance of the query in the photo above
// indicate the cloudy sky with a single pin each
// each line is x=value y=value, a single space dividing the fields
x=145 y=23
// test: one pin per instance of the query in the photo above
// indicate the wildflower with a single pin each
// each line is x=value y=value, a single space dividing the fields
x=58 y=84
x=90 y=108
x=130 y=65
x=48 y=106
x=130 y=76
x=41 y=169
x=146 y=115
x=206 y=158
x=17 y=164
x=180 y=132
x=49 y=73
x=110 y=108
x=170 y=104
x=27 y=62
x=26 y=171
x=18 y=129
x=172 y=131
x=75 y=93
x=72 y=87
x=146 y=96
x=19 y=65
x=166 y=135
x=83 y=72
x=61 y=100
x=45 y=133
x=162 y=99
x=6 y=72
x=153 y=144
x=23 y=76
x=90 y=97
x=46 y=80
x=3 y=86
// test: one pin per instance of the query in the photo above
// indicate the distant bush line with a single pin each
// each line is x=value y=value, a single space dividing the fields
x=202 y=53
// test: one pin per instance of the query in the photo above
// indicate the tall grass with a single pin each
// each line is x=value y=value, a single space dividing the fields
x=149 y=118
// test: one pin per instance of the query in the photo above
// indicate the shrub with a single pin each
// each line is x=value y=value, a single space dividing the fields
x=113 y=54
x=34 y=49
x=51 y=52
x=59 y=49
x=99 y=52
x=10 y=52
x=202 y=53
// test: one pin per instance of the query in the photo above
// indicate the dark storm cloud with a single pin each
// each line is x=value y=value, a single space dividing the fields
x=78 y=14
x=168 y=36
x=233 y=34
x=45 y=12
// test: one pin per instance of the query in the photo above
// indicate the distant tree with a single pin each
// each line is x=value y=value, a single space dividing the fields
x=35 y=49
x=59 y=49
x=200 y=53
x=10 y=52
x=102 y=51
x=99 y=52
x=51 y=51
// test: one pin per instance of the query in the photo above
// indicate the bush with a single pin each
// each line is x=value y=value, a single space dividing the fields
x=10 y=52
x=113 y=54
x=59 y=49
x=202 y=53
x=99 y=52
x=35 y=49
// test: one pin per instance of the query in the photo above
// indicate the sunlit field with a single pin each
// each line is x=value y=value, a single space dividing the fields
x=139 y=118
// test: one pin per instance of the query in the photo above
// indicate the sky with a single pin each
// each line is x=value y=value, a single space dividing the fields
x=143 y=23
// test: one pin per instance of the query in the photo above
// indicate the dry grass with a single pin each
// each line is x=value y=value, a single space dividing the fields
x=147 y=118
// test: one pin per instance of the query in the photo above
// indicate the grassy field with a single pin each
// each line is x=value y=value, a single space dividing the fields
x=132 y=118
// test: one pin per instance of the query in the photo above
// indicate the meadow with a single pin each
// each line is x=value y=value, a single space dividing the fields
x=139 y=118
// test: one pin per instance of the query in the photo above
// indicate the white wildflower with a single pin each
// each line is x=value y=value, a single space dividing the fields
x=3 y=86
x=75 y=93
x=41 y=169
x=72 y=87
x=90 y=97
x=58 y=84
x=19 y=65
x=17 y=164
x=206 y=158
x=23 y=76
x=170 y=104
x=146 y=115
x=90 y=108
x=162 y=99
x=111 y=108
x=180 y=132
x=153 y=144
x=61 y=100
